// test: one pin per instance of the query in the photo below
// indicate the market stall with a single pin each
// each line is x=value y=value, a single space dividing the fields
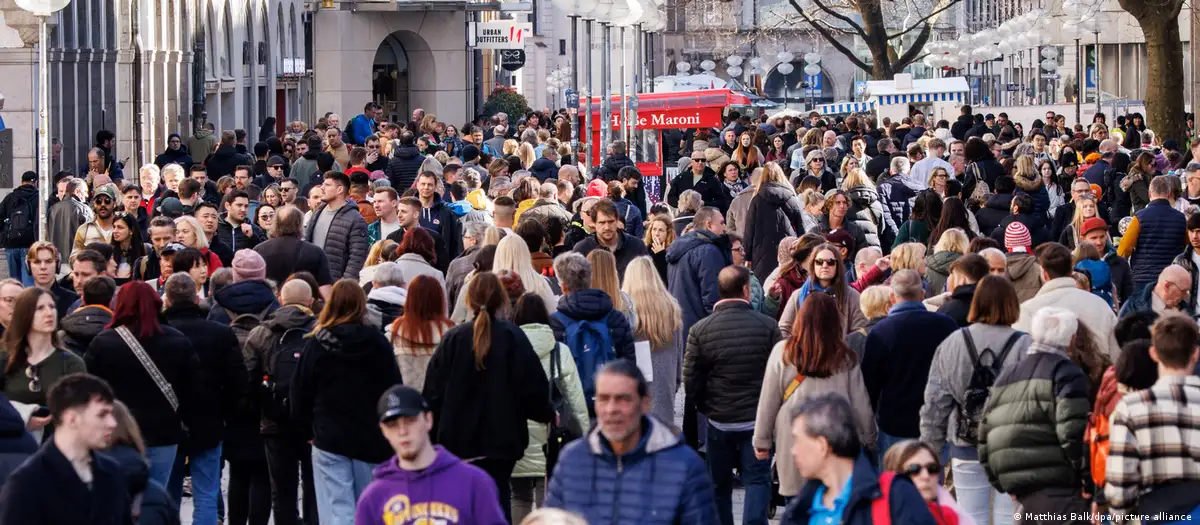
x=936 y=98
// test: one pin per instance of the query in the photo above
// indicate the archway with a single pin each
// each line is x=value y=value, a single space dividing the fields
x=389 y=79
x=789 y=88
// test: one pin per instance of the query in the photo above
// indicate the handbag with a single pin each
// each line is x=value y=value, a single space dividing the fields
x=151 y=369
x=563 y=428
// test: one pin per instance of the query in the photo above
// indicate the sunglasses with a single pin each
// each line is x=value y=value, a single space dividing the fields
x=102 y=200
x=35 y=384
x=277 y=166
x=932 y=468
x=825 y=262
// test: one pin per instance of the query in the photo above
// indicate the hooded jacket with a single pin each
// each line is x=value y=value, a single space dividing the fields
x=775 y=212
x=345 y=244
x=441 y=219
x=482 y=410
x=385 y=304
x=78 y=328
x=200 y=145
x=693 y=262
x=961 y=126
x=244 y=297
x=612 y=165
x=544 y=169
x=1025 y=274
x=533 y=464
x=543 y=209
x=1037 y=233
x=257 y=352
x=661 y=481
x=22 y=196
x=225 y=381
x=16 y=445
x=958 y=306
x=404 y=167
x=341 y=374
x=937 y=270
x=174 y=156
x=993 y=212
x=224 y=160
x=867 y=212
x=449 y=490
x=591 y=305
x=157 y=507
x=1033 y=187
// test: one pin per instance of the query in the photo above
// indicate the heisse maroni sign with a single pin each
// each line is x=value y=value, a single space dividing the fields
x=686 y=118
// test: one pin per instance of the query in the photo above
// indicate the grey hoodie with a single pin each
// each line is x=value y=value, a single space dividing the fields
x=949 y=375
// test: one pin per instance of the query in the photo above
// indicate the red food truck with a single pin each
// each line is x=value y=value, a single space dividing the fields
x=657 y=112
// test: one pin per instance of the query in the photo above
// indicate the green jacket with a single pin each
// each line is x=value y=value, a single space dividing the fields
x=533 y=464
x=1031 y=435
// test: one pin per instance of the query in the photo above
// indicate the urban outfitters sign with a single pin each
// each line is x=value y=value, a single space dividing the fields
x=503 y=34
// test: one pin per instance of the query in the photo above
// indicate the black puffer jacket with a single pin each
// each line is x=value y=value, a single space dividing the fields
x=404 y=167
x=223 y=162
x=482 y=410
x=109 y=358
x=345 y=244
x=260 y=344
x=897 y=199
x=868 y=213
x=225 y=381
x=81 y=326
x=157 y=508
x=775 y=212
x=612 y=166
x=726 y=360
x=16 y=445
x=993 y=212
x=233 y=238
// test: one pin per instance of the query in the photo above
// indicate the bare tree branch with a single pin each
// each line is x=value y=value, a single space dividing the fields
x=857 y=29
x=910 y=54
x=830 y=38
x=924 y=20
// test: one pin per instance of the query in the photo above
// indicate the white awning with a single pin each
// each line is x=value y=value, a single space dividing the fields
x=842 y=108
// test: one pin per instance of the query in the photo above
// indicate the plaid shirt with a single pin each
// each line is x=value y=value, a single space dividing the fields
x=1155 y=438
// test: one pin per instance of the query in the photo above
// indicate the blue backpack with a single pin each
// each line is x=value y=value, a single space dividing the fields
x=591 y=345
x=1100 y=276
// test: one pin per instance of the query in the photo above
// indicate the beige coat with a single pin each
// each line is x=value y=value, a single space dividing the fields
x=852 y=316
x=773 y=423
x=1091 y=310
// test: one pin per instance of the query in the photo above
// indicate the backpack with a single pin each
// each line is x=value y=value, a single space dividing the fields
x=1096 y=438
x=881 y=507
x=279 y=370
x=970 y=412
x=591 y=345
x=243 y=324
x=1100 y=277
x=21 y=224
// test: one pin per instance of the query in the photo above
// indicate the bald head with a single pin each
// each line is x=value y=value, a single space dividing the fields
x=1176 y=274
x=296 y=292
x=734 y=283
x=997 y=261
x=1108 y=145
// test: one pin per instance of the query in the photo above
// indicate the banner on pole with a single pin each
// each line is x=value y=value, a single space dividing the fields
x=502 y=34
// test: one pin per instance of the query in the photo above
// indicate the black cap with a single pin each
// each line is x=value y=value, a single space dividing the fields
x=171 y=208
x=276 y=160
x=989 y=117
x=469 y=153
x=172 y=248
x=400 y=401
x=29 y=176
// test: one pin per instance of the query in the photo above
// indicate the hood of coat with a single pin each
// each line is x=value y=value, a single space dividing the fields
x=1028 y=182
x=390 y=470
x=406 y=152
x=202 y=134
x=1020 y=265
x=349 y=339
x=460 y=208
x=289 y=317
x=225 y=152
x=541 y=337
x=388 y=294
x=862 y=195
x=590 y=304
x=940 y=262
x=776 y=193
x=133 y=465
x=695 y=239
x=656 y=437
x=245 y=297
x=544 y=165
x=478 y=199
x=999 y=201
x=87 y=321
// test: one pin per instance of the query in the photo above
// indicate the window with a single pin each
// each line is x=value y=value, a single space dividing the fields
x=562 y=46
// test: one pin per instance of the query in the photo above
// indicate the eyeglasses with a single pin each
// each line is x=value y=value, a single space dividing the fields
x=932 y=468
x=824 y=262
x=822 y=161
x=35 y=384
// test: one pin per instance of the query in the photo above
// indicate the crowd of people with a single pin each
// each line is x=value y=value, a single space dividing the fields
x=391 y=323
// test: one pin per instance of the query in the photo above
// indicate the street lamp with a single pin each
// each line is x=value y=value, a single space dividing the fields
x=43 y=9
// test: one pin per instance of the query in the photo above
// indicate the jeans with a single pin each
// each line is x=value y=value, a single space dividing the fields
x=162 y=462
x=339 y=481
x=977 y=497
x=884 y=442
x=16 y=265
x=729 y=450
x=528 y=495
x=249 y=493
x=500 y=470
x=290 y=460
x=205 y=466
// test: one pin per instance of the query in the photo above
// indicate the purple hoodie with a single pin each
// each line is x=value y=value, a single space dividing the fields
x=448 y=491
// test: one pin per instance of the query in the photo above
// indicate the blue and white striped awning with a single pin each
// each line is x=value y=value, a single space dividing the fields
x=917 y=98
x=842 y=108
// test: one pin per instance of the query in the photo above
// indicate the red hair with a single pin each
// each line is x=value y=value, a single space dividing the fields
x=420 y=242
x=424 y=308
x=137 y=308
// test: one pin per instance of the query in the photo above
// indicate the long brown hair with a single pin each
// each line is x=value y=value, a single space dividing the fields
x=1085 y=352
x=424 y=309
x=15 y=336
x=803 y=248
x=347 y=305
x=485 y=296
x=127 y=433
x=747 y=156
x=604 y=276
x=816 y=347
x=837 y=288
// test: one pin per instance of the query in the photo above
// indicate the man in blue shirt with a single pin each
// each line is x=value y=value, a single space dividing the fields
x=362 y=126
x=828 y=454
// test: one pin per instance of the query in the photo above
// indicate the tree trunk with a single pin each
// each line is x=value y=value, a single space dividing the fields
x=1164 y=86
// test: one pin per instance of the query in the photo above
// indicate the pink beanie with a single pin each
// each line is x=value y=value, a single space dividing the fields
x=248 y=265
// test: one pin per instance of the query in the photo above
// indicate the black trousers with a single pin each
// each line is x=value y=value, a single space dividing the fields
x=249 y=493
x=290 y=462
x=501 y=472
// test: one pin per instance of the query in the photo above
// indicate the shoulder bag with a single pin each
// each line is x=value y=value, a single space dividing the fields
x=151 y=369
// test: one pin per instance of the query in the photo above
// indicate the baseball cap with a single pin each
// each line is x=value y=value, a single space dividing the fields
x=400 y=401
x=172 y=248
x=171 y=207
x=29 y=176
x=989 y=116
x=276 y=160
x=107 y=190
x=1094 y=223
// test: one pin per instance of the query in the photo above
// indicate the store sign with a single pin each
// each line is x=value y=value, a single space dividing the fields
x=673 y=118
x=512 y=59
x=503 y=34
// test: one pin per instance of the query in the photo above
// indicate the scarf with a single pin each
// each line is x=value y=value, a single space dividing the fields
x=810 y=286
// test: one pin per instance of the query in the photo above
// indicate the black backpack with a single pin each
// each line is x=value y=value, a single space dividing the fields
x=20 y=227
x=970 y=412
x=281 y=364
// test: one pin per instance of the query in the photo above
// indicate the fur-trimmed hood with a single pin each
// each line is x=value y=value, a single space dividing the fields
x=1028 y=183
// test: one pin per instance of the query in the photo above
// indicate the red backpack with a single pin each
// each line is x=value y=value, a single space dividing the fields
x=881 y=510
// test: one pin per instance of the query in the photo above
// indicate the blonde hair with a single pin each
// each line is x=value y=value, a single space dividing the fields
x=526 y=154
x=771 y=173
x=665 y=219
x=933 y=173
x=201 y=239
x=549 y=516
x=510 y=147
x=659 y=317
x=1025 y=168
x=1078 y=218
x=953 y=240
x=857 y=177
x=604 y=277
x=493 y=235
x=875 y=301
x=907 y=256
x=377 y=253
x=814 y=198
x=512 y=254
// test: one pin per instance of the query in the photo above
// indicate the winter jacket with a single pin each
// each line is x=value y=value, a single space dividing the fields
x=304 y=170
x=958 y=306
x=66 y=216
x=345 y=244
x=46 y=490
x=225 y=381
x=913 y=135
x=16 y=445
x=708 y=187
x=904 y=502
x=260 y=344
x=541 y=337
x=233 y=237
x=1122 y=276
x=693 y=262
x=852 y=316
x=950 y=374
x=544 y=169
x=156 y=506
x=1142 y=301
x=224 y=161
x=630 y=216
x=867 y=211
x=480 y=410
x=611 y=167
x=628 y=249
x=775 y=213
x=413 y=357
x=109 y=358
x=725 y=360
x=1025 y=274
x=1155 y=236
x=441 y=219
x=961 y=126
x=200 y=145
x=937 y=270
x=404 y=167
x=359 y=129
x=897 y=199
x=661 y=481
x=896 y=361
x=1092 y=311
x=78 y=328
x=341 y=374
x=543 y=209
x=384 y=305
x=739 y=210
x=449 y=488
x=412 y=265
x=1036 y=231
x=993 y=212
x=457 y=272
x=19 y=200
x=243 y=297
x=174 y=156
x=1033 y=187
x=593 y=305
x=1031 y=435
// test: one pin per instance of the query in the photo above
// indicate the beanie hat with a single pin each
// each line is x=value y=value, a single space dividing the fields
x=1016 y=237
x=248 y=265
x=597 y=188
x=1094 y=223
x=469 y=153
